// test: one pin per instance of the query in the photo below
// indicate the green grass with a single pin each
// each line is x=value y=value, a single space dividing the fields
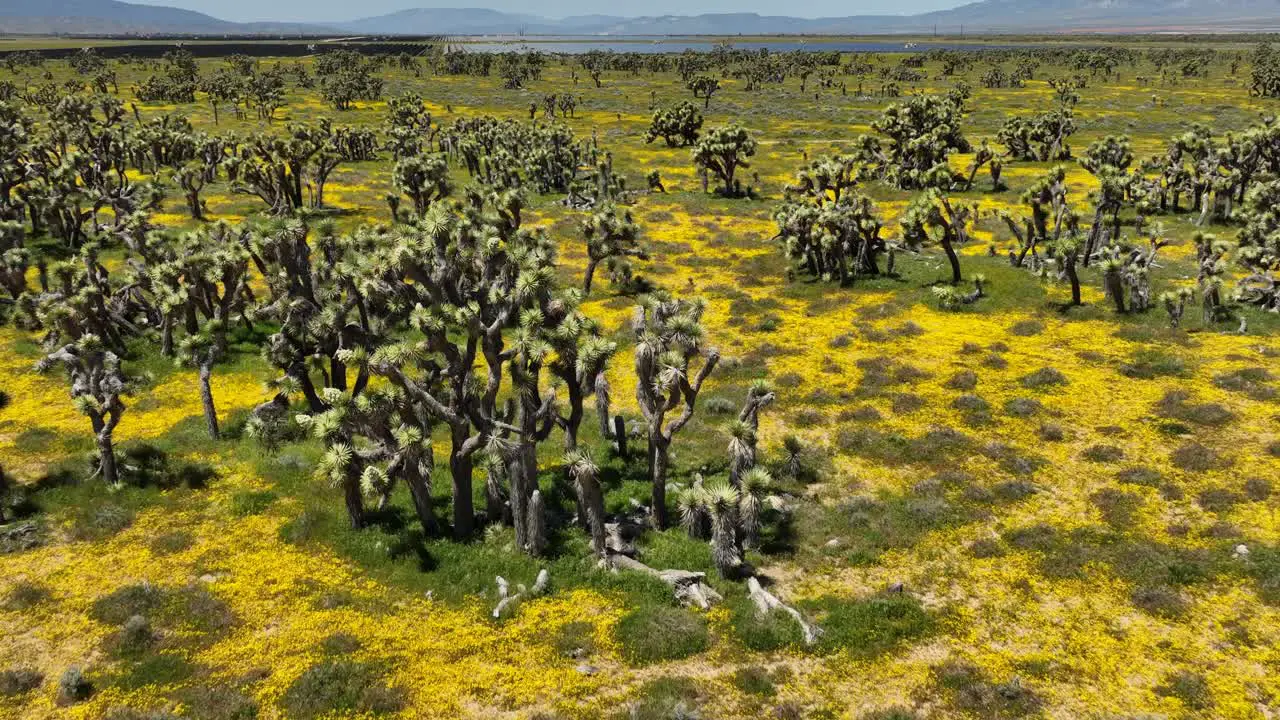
x=657 y=633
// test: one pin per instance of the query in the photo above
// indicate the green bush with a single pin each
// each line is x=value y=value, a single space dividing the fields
x=340 y=687
x=217 y=703
x=251 y=503
x=870 y=626
x=658 y=633
x=665 y=698
x=18 y=681
x=773 y=631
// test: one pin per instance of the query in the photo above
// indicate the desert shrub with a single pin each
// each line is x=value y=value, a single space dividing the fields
x=244 y=504
x=986 y=548
x=995 y=362
x=893 y=713
x=99 y=521
x=121 y=713
x=1174 y=405
x=654 y=634
x=1022 y=407
x=666 y=698
x=862 y=413
x=19 y=681
x=964 y=380
x=719 y=405
x=1102 y=453
x=808 y=417
x=134 y=637
x=118 y=606
x=172 y=542
x=1026 y=328
x=1117 y=506
x=971 y=404
x=755 y=680
x=970 y=690
x=340 y=687
x=1257 y=489
x=1218 y=499
x=1052 y=432
x=73 y=687
x=1160 y=600
x=788 y=380
x=1140 y=476
x=25 y=595
x=1250 y=380
x=904 y=403
x=840 y=341
x=1189 y=687
x=1194 y=457
x=217 y=703
x=1150 y=363
x=340 y=643
x=1043 y=378
x=1013 y=490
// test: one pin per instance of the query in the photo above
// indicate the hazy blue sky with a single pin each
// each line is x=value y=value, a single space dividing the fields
x=331 y=10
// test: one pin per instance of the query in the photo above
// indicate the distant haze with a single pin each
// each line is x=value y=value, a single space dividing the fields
x=321 y=11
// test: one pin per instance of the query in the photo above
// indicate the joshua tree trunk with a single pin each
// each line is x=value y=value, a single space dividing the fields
x=206 y=400
x=107 y=458
x=460 y=468
x=420 y=491
x=951 y=258
x=724 y=549
x=1115 y=288
x=352 y=494
x=588 y=276
x=536 y=525
x=659 y=461
x=1070 y=268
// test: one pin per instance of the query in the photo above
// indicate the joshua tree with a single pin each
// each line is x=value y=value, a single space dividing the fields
x=723 y=151
x=586 y=481
x=1042 y=138
x=97 y=384
x=1050 y=214
x=1210 y=255
x=408 y=125
x=932 y=217
x=669 y=339
x=201 y=351
x=465 y=274
x=424 y=179
x=703 y=86
x=743 y=432
x=1259 y=247
x=722 y=503
x=192 y=179
x=921 y=134
x=222 y=86
x=751 y=505
x=678 y=126
x=1174 y=303
x=612 y=238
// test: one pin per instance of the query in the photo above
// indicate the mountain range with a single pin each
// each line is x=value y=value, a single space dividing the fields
x=112 y=17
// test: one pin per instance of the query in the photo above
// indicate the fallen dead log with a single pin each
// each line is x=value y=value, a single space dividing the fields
x=690 y=587
x=506 y=599
x=766 y=602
